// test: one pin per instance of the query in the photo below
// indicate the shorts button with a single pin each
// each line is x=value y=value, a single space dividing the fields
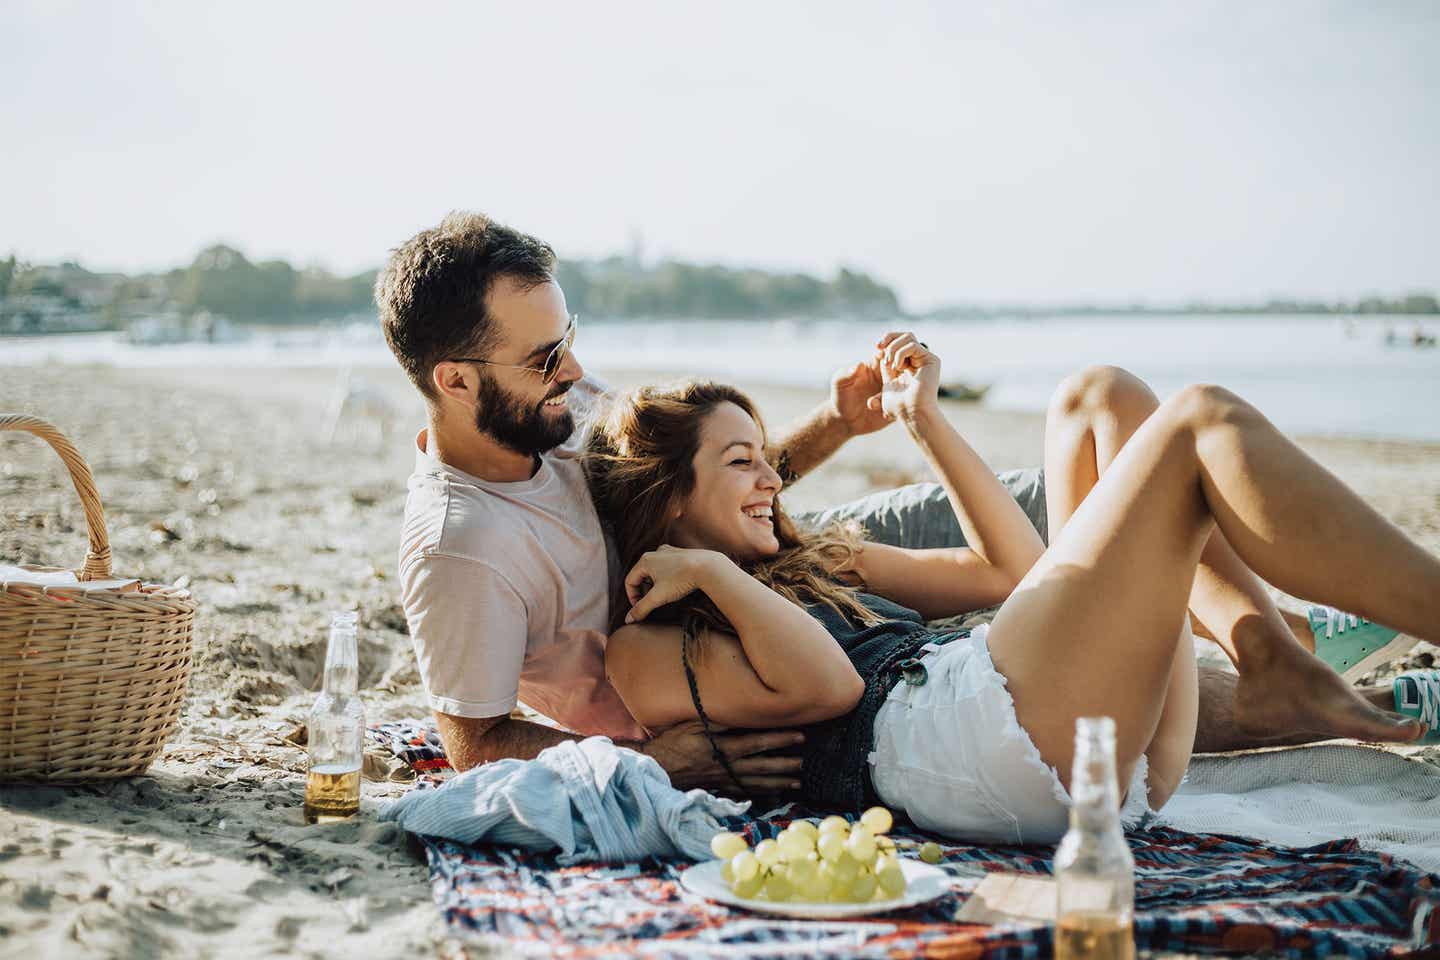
x=913 y=672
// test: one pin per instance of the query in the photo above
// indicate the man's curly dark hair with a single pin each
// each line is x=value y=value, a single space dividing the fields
x=431 y=294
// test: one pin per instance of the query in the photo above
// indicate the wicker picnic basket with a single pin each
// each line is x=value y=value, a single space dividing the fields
x=92 y=681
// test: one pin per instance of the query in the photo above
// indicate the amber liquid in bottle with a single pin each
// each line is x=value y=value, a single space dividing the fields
x=1098 y=936
x=331 y=793
x=336 y=726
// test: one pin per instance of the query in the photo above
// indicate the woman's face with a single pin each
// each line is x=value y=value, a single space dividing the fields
x=730 y=509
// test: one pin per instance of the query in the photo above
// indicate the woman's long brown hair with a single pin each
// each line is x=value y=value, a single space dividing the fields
x=640 y=463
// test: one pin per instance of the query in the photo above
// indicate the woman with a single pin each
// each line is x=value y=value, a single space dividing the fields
x=972 y=735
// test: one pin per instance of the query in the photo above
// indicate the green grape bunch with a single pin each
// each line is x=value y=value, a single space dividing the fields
x=833 y=861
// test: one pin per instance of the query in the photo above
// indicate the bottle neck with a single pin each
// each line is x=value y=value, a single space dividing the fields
x=1094 y=791
x=1095 y=818
x=342 y=662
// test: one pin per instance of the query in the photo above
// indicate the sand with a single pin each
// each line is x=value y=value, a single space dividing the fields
x=223 y=480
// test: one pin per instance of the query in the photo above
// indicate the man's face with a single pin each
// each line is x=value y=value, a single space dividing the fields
x=515 y=406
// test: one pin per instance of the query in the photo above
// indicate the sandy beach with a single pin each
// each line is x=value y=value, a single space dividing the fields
x=222 y=480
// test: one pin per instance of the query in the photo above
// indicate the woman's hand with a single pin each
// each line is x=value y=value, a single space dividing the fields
x=665 y=575
x=910 y=374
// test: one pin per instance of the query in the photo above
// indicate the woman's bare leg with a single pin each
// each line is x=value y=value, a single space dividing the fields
x=1216 y=730
x=1092 y=414
x=1104 y=606
x=1299 y=625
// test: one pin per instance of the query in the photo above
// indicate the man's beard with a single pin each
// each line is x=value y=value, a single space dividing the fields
x=521 y=425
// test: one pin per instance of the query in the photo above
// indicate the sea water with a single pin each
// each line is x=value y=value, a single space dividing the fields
x=1312 y=375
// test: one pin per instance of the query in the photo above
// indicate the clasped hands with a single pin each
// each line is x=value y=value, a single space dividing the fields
x=902 y=377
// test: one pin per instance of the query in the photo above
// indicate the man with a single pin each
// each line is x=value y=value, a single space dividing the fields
x=504 y=568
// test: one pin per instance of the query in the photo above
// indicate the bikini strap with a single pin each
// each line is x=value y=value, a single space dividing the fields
x=688 y=632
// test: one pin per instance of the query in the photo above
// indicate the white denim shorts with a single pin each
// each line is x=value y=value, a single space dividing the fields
x=953 y=756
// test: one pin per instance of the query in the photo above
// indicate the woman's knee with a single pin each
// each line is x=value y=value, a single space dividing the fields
x=1160 y=787
x=1107 y=390
x=1203 y=405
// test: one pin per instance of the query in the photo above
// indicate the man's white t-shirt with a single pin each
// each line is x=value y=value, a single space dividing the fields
x=506 y=588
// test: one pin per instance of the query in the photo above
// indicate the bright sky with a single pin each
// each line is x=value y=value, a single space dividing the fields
x=1016 y=151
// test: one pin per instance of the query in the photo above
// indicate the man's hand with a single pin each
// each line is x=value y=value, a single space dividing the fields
x=684 y=752
x=850 y=393
x=852 y=409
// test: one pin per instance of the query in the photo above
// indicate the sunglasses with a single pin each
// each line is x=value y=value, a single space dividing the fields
x=550 y=369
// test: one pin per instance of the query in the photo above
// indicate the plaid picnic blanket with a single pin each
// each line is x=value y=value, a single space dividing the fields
x=416 y=743
x=1195 y=893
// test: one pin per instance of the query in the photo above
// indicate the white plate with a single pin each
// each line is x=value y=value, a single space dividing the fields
x=923 y=883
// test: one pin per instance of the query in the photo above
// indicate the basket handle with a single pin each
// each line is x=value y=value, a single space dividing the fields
x=97 y=560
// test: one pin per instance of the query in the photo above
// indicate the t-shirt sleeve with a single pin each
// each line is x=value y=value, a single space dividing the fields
x=468 y=627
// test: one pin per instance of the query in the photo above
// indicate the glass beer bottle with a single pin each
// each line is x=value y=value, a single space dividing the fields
x=1094 y=871
x=336 y=728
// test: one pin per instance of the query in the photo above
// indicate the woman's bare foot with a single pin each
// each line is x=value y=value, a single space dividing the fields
x=1298 y=693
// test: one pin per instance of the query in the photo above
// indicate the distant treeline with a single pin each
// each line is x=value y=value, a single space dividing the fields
x=1414 y=303
x=223 y=281
x=618 y=287
x=220 y=280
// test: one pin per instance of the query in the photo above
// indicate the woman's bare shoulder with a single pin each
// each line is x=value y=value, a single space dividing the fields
x=644 y=666
x=642 y=663
x=652 y=649
x=639 y=637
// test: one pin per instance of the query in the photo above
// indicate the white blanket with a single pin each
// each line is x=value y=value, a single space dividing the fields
x=1308 y=795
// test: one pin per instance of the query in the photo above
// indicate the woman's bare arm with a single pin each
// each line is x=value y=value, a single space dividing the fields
x=779 y=661
x=643 y=664
x=1003 y=543
x=939 y=582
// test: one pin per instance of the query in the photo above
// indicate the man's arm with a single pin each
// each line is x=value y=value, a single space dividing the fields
x=808 y=444
x=844 y=415
x=682 y=751
x=470 y=741
x=446 y=598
